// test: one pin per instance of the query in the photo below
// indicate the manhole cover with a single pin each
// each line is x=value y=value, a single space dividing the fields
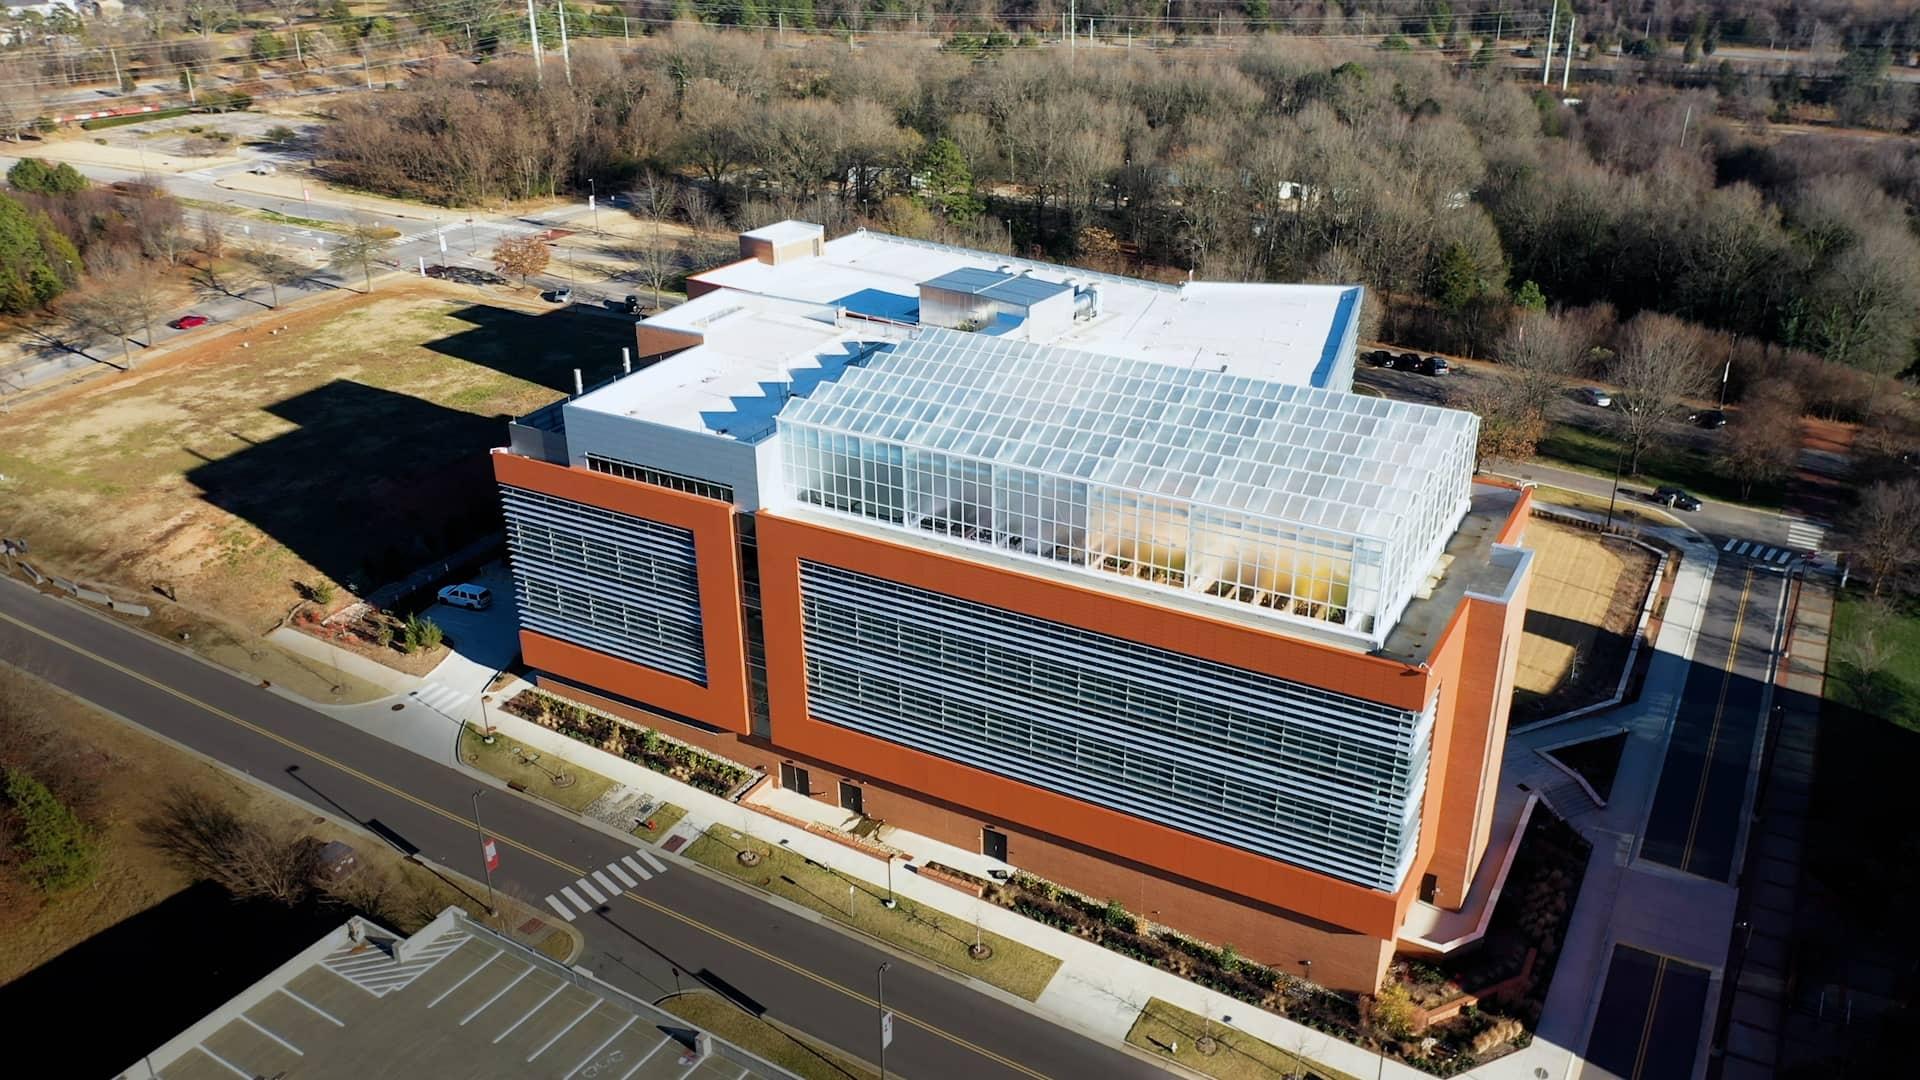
x=398 y=705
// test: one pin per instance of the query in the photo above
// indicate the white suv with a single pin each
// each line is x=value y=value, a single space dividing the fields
x=477 y=597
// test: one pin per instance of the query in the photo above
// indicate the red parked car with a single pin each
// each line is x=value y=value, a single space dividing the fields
x=188 y=322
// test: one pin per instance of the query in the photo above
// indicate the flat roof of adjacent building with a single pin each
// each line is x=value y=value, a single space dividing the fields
x=453 y=1000
x=1282 y=332
x=756 y=353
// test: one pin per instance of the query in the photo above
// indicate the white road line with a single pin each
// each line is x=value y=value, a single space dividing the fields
x=554 y=903
x=237 y=1070
x=554 y=993
x=337 y=1022
x=497 y=953
x=1744 y=545
x=645 y=1058
x=636 y=868
x=250 y=1022
x=497 y=995
x=596 y=1050
x=587 y=887
x=1730 y=544
x=574 y=899
x=1784 y=557
x=556 y=1035
x=606 y=883
x=651 y=860
x=625 y=878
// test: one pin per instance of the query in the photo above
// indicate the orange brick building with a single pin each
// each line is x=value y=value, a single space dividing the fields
x=1111 y=582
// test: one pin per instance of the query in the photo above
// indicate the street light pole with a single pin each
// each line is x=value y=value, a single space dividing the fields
x=1614 y=493
x=593 y=203
x=880 y=998
x=493 y=906
x=891 y=901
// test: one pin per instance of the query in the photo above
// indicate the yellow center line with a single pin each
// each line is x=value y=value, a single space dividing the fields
x=576 y=871
x=1646 y=1029
x=1719 y=710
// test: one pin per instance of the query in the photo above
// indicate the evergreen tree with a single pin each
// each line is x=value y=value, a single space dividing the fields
x=36 y=262
x=946 y=184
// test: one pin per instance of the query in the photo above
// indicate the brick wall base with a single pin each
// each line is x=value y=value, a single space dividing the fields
x=1329 y=955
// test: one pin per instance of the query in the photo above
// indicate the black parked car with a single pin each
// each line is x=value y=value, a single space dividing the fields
x=1668 y=495
x=1435 y=365
x=1710 y=418
x=1407 y=361
x=1380 y=358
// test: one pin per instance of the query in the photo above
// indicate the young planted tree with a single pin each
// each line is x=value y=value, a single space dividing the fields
x=1658 y=366
x=362 y=245
x=522 y=255
x=274 y=269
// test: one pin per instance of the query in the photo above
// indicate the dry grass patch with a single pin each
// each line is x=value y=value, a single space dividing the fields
x=349 y=447
x=1227 y=1052
x=807 y=1057
x=1582 y=610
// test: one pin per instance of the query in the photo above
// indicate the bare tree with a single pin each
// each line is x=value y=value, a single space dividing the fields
x=274 y=269
x=117 y=306
x=655 y=256
x=1760 y=447
x=522 y=255
x=213 y=238
x=362 y=245
x=216 y=844
x=1883 y=538
x=1658 y=366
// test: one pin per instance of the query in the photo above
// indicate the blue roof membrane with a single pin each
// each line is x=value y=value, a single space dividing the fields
x=1340 y=339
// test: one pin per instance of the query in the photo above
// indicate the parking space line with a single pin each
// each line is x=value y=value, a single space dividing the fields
x=497 y=953
x=596 y=1050
x=497 y=995
x=237 y=1070
x=594 y=1004
x=587 y=887
x=574 y=899
x=648 y=1056
x=619 y=872
x=636 y=868
x=606 y=883
x=337 y=1022
x=652 y=860
x=255 y=1025
x=515 y=1026
x=554 y=903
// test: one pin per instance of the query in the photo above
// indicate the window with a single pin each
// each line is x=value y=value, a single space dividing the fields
x=626 y=470
x=852 y=799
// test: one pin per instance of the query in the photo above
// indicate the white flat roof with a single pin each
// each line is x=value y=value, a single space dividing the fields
x=757 y=352
x=1284 y=333
x=786 y=232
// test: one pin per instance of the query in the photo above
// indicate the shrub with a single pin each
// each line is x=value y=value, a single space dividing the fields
x=321 y=592
x=60 y=851
x=37 y=176
x=1393 y=1011
x=418 y=634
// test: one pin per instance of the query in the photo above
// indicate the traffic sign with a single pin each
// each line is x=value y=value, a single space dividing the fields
x=492 y=853
x=886 y=1030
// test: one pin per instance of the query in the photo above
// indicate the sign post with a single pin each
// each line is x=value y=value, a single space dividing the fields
x=886 y=1018
x=490 y=854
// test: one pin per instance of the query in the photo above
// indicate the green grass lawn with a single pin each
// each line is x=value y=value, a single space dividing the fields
x=802 y=1056
x=1893 y=692
x=1236 y=1055
x=499 y=760
x=1596 y=452
x=920 y=930
x=662 y=820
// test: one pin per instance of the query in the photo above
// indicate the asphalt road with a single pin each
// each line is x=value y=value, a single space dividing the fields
x=1694 y=823
x=677 y=928
x=1647 y=1025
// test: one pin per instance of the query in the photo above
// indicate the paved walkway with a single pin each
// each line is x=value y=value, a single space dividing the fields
x=1764 y=932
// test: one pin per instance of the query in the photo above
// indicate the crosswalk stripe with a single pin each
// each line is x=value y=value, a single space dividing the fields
x=606 y=883
x=636 y=868
x=574 y=899
x=587 y=887
x=1742 y=549
x=625 y=878
x=555 y=904
x=657 y=865
x=1730 y=544
x=1784 y=557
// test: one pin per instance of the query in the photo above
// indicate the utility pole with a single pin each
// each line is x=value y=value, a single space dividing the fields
x=1553 y=23
x=366 y=72
x=193 y=96
x=533 y=35
x=1685 y=123
x=493 y=906
x=1566 y=69
x=1073 y=26
x=566 y=56
x=625 y=30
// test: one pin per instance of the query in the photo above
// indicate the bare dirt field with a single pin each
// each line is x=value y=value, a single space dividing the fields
x=1583 y=607
x=344 y=441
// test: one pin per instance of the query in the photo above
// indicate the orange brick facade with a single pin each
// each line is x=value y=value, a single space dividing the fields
x=1271 y=911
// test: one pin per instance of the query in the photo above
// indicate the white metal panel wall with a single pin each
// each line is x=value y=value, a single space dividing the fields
x=698 y=454
x=606 y=581
x=1322 y=780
